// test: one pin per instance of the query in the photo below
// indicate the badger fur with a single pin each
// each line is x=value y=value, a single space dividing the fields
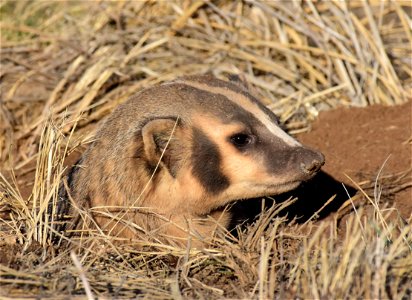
x=168 y=160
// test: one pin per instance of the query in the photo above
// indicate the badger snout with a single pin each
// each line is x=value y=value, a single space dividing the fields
x=308 y=162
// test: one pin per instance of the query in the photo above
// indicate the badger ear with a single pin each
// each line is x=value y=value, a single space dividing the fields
x=162 y=142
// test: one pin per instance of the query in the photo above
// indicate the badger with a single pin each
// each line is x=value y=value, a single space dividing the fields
x=168 y=160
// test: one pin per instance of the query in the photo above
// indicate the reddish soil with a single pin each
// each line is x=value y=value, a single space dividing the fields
x=357 y=141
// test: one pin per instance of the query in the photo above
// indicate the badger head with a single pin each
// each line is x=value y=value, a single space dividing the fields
x=220 y=144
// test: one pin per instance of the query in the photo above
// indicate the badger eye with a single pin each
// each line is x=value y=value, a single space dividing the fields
x=241 y=139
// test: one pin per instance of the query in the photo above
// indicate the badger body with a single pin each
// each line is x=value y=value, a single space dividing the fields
x=168 y=160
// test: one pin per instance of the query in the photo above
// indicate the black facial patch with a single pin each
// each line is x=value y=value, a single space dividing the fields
x=279 y=157
x=276 y=156
x=206 y=163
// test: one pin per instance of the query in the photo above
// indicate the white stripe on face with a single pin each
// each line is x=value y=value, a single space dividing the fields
x=247 y=105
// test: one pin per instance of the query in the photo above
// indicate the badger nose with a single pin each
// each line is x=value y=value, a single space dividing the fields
x=311 y=163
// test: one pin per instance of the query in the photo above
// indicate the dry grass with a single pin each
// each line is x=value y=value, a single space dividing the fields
x=65 y=65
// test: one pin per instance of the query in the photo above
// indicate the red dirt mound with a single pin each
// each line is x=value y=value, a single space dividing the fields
x=358 y=141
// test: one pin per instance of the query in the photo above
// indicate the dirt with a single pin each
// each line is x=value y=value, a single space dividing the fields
x=359 y=142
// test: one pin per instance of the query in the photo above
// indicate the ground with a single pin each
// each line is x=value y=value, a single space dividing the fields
x=321 y=66
x=363 y=143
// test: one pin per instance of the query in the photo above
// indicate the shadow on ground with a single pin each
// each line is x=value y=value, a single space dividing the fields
x=312 y=195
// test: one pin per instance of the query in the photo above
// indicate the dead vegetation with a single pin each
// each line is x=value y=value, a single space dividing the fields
x=65 y=65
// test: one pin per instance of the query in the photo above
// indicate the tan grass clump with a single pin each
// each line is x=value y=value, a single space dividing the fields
x=65 y=65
